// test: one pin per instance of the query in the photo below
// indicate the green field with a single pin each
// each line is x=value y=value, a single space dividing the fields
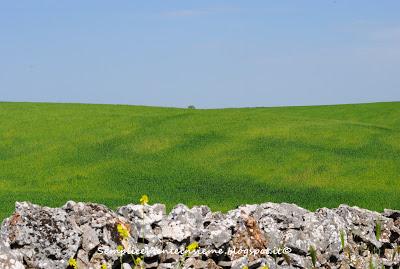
x=313 y=156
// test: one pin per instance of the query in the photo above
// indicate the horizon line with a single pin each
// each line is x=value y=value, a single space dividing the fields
x=196 y=108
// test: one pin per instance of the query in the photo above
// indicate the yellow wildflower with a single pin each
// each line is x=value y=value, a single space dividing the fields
x=265 y=267
x=72 y=263
x=122 y=231
x=138 y=260
x=120 y=248
x=104 y=266
x=144 y=199
x=245 y=267
x=193 y=246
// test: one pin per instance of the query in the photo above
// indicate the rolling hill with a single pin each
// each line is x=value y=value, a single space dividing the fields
x=317 y=156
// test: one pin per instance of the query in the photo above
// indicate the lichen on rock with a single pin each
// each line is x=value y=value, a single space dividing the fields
x=43 y=237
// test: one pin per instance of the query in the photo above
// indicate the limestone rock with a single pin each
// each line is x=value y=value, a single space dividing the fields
x=43 y=237
x=8 y=259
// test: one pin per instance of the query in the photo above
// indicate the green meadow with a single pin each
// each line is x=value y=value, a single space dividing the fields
x=317 y=156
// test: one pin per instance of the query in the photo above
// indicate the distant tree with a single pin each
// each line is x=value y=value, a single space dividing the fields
x=191 y=107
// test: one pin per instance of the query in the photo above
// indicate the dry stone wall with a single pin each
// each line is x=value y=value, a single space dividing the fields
x=267 y=235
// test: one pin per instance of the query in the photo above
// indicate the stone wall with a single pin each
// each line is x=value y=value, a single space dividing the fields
x=275 y=236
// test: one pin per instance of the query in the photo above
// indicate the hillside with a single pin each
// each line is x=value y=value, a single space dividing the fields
x=313 y=156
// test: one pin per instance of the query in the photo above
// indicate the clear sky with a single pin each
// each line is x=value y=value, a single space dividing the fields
x=206 y=53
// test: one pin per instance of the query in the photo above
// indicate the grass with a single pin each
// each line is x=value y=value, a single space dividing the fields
x=112 y=154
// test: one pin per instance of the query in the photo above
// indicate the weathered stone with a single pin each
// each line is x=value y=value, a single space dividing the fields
x=147 y=214
x=46 y=237
x=82 y=260
x=249 y=236
x=9 y=259
x=43 y=237
x=90 y=238
x=240 y=263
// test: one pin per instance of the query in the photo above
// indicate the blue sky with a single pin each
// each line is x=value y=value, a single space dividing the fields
x=206 y=53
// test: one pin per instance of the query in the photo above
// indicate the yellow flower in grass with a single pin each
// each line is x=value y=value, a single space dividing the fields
x=264 y=267
x=120 y=248
x=72 y=263
x=103 y=266
x=144 y=199
x=122 y=231
x=193 y=246
x=245 y=267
